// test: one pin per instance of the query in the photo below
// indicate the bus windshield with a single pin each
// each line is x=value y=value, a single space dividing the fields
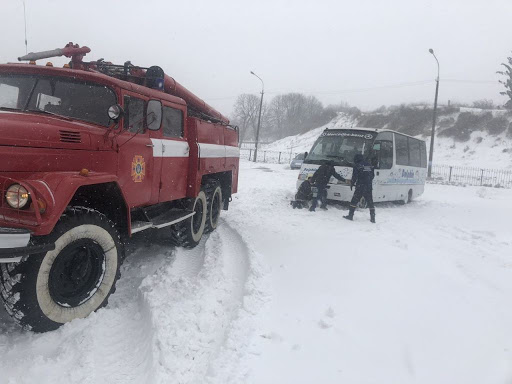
x=340 y=146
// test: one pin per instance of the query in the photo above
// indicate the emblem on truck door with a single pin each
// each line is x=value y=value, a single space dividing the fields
x=138 y=168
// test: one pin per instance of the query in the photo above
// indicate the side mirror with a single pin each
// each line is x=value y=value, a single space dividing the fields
x=154 y=115
x=115 y=112
x=305 y=155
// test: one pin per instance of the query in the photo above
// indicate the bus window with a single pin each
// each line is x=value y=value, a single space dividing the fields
x=402 y=150
x=423 y=151
x=414 y=152
x=383 y=149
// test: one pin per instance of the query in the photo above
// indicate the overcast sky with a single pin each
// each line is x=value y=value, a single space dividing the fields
x=367 y=53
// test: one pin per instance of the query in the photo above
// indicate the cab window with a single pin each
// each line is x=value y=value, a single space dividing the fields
x=134 y=114
x=172 y=122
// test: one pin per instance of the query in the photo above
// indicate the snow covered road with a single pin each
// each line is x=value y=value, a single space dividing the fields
x=423 y=296
x=277 y=295
x=166 y=323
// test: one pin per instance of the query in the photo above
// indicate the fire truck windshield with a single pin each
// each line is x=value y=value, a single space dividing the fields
x=59 y=96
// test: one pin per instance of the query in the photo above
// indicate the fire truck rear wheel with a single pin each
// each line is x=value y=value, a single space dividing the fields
x=213 y=204
x=188 y=233
x=44 y=291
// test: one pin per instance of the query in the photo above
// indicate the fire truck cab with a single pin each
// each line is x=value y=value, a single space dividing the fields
x=89 y=155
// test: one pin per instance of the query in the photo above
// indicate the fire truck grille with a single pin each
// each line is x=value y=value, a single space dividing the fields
x=70 y=137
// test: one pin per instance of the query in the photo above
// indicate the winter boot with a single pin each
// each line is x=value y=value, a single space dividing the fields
x=324 y=207
x=372 y=215
x=350 y=215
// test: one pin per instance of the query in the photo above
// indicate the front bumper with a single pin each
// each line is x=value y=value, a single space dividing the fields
x=14 y=244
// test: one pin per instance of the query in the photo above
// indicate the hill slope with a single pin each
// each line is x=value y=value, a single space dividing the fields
x=465 y=137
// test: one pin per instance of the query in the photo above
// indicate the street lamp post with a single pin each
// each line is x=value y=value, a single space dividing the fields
x=431 y=155
x=259 y=118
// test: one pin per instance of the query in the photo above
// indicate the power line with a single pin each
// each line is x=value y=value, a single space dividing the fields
x=355 y=90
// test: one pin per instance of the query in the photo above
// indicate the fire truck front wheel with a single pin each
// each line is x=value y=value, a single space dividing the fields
x=188 y=233
x=46 y=290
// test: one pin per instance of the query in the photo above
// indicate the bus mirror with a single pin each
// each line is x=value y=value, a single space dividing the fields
x=305 y=155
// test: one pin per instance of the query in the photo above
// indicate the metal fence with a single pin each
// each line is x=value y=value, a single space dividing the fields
x=275 y=157
x=446 y=174
x=499 y=178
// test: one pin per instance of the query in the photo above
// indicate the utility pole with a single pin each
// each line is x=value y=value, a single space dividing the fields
x=432 y=136
x=259 y=119
x=25 y=19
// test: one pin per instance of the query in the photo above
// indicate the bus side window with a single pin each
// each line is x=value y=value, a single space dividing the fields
x=402 y=150
x=423 y=151
x=414 y=152
x=383 y=147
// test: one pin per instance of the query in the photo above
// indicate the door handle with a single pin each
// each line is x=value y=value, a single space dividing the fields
x=150 y=145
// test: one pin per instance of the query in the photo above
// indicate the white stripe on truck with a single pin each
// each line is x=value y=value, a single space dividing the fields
x=177 y=148
x=216 y=150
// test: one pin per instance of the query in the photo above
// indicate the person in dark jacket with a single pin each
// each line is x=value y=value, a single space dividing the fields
x=320 y=180
x=303 y=195
x=362 y=178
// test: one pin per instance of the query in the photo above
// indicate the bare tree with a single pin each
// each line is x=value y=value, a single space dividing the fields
x=507 y=83
x=295 y=113
x=246 y=110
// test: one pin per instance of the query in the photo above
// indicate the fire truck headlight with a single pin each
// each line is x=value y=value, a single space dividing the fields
x=17 y=196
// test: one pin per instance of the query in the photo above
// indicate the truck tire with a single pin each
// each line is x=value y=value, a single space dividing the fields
x=213 y=204
x=44 y=291
x=188 y=233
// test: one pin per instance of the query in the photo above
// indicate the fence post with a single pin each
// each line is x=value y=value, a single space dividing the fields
x=482 y=177
x=450 y=177
x=264 y=156
x=279 y=160
x=250 y=153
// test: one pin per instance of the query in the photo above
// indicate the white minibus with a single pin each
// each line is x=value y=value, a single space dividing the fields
x=400 y=162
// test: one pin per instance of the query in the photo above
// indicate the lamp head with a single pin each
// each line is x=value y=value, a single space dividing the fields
x=431 y=51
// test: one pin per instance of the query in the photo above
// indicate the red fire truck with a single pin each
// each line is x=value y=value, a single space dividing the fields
x=90 y=154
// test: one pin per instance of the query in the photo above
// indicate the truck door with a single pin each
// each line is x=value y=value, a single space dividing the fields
x=175 y=154
x=135 y=161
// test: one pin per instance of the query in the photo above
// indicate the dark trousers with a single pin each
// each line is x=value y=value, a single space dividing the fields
x=322 y=196
x=363 y=191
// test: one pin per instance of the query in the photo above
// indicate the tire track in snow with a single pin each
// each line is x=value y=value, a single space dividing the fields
x=166 y=322
x=192 y=313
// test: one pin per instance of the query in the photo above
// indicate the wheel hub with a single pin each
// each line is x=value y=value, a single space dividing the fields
x=76 y=273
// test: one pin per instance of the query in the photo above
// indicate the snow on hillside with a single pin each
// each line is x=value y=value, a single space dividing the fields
x=481 y=151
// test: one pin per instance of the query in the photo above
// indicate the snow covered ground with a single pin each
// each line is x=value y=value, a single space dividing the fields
x=278 y=295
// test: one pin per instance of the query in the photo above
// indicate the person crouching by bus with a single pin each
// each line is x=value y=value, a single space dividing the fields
x=320 y=179
x=362 y=178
